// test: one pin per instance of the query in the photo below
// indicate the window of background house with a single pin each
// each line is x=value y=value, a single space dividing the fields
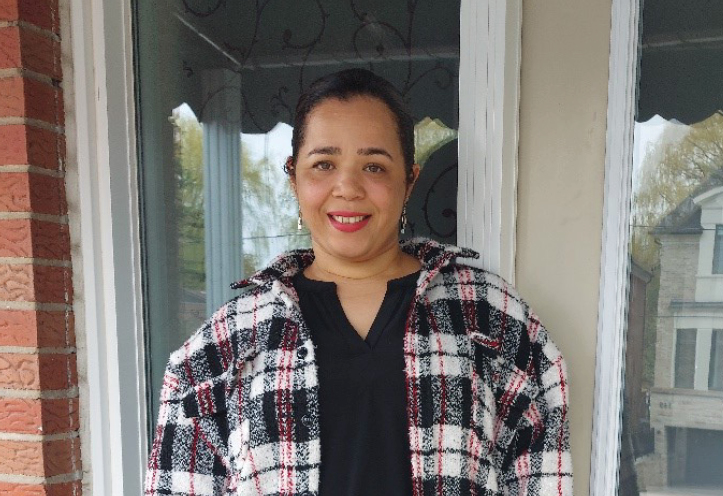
x=715 y=371
x=217 y=82
x=672 y=421
x=685 y=358
x=718 y=250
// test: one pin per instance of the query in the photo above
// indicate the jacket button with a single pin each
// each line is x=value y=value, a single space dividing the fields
x=306 y=421
x=302 y=352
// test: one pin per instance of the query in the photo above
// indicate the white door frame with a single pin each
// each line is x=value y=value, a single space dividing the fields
x=104 y=199
x=489 y=80
x=614 y=273
x=103 y=213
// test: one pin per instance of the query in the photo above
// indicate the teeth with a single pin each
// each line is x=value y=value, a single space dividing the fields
x=347 y=220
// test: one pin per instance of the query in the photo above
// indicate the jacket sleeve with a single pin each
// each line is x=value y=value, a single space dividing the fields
x=538 y=462
x=188 y=452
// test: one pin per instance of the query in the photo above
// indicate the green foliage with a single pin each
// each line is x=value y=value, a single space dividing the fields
x=670 y=174
x=188 y=151
x=267 y=215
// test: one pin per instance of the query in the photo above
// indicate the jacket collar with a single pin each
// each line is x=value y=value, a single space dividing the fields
x=432 y=255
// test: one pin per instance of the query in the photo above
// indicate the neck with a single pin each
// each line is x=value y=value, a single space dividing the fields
x=387 y=265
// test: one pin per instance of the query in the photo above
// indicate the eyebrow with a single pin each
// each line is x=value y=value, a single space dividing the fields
x=325 y=150
x=374 y=151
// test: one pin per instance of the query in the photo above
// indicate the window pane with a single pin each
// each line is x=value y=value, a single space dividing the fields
x=685 y=358
x=715 y=372
x=672 y=421
x=717 y=250
x=217 y=83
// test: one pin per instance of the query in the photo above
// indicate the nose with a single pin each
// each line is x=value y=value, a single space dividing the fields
x=348 y=185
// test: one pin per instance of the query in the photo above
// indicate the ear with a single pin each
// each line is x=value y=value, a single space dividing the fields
x=415 y=175
x=291 y=173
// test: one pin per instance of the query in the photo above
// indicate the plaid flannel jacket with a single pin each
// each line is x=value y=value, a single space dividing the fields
x=487 y=394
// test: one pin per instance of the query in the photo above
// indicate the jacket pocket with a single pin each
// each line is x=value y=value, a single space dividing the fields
x=206 y=405
x=505 y=393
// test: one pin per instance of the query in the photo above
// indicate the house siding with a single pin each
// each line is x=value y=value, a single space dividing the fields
x=678 y=270
x=38 y=375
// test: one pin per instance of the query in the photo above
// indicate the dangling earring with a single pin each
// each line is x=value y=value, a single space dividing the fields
x=299 y=223
x=404 y=218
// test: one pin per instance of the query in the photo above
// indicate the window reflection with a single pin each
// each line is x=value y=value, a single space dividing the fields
x=673 y=401
x=216 y=84
x=673 y=420
x=673 y=406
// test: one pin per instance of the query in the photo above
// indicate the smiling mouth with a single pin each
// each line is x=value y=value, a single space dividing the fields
x=349 y=220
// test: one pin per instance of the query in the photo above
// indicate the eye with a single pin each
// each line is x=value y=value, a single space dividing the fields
x=323 y=165
x=374 y=168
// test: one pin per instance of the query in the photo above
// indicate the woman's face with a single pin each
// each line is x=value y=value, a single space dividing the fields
x=350 y=178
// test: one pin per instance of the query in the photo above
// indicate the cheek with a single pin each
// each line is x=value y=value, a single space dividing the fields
x=391 y=196
x=310 y=195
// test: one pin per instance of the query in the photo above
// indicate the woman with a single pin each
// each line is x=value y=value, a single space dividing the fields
x=363 y=366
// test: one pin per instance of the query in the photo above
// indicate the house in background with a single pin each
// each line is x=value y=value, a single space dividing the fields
x=687 y=398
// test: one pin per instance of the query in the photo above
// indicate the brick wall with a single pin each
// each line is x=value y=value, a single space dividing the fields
x=39 y=443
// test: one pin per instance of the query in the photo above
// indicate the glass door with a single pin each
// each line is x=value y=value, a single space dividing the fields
x=672 y=434
x=216 y=86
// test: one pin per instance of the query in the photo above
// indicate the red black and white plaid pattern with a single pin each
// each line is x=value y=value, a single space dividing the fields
x=487 y=394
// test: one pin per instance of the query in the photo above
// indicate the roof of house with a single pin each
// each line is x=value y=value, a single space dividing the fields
x=685 y=218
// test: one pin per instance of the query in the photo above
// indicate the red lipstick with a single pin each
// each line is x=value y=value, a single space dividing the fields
x=348 y=225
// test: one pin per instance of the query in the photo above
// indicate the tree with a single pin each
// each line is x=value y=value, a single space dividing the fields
x=685 y=158
x=188 y=141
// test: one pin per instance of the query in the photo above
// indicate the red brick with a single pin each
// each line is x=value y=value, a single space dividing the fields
x=28 y=145
x=23 y=192
x=41 y=13
x=50 y=240
x=38 y=416
x=61 y=457
x=53 y=284
x=16 y=238
x=23 y=97
x=25 y=282
x=61 y=489
x=22 y=458
x=34 y=238
x=19 y=371
x=40 y=459
x=10 y=47
x=12 y=97
x=36 y=329
x=29 y=371
x=61 y=415
x=21 y=415
x=20 y=47
x=15 y=192
x=58 y=371
x=16 y=283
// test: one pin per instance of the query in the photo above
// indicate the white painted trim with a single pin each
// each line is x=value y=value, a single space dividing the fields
x=615 y=250
x=708 y=194
x=489 y=74
x=101 y=131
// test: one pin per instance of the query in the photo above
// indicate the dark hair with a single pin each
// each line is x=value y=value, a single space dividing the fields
x=347 y=84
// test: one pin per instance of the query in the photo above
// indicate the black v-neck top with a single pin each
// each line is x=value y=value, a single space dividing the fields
x=362 y=392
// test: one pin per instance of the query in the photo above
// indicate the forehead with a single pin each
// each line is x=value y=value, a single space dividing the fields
x=359 y=116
